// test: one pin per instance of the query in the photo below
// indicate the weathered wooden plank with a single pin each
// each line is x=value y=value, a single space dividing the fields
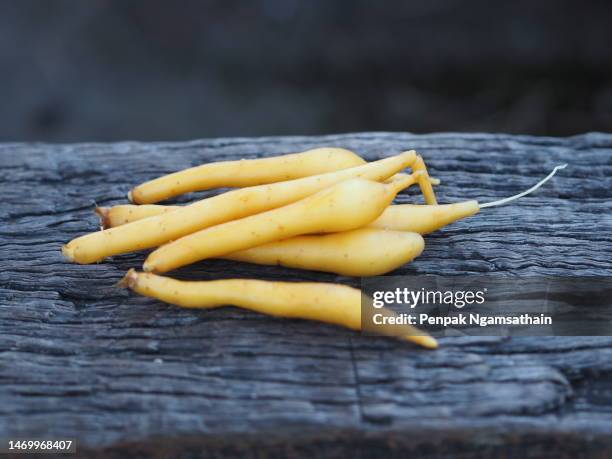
x=79 y=357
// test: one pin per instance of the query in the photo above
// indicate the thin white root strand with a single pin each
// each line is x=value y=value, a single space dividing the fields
x=524 y=193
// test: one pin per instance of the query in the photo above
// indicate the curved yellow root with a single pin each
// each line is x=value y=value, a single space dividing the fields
x=245 y=172
x=360 y=253
x=331 y=303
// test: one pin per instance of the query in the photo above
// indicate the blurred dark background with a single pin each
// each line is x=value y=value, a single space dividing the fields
x=121 y=69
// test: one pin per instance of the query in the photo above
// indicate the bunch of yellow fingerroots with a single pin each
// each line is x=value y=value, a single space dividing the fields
x=324 y=209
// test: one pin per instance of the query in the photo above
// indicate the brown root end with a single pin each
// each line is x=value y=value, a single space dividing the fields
x=104 y=217
x=129 y=280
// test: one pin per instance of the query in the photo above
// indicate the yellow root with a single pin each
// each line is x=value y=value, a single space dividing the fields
x=331 y=303
x=362 y=252
x=245 y=172
x=425 y=182
x=422 y=219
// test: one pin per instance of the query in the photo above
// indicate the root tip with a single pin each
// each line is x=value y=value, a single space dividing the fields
x=410 y=154
x=499 y=202
x=148 y=268
x=68 y=252
x=429 y=342
x=426 y=341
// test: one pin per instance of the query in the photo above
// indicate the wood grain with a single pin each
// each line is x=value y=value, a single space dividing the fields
x=131 y=377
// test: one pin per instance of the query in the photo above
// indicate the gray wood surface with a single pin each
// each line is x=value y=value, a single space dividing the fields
x=132 y=377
